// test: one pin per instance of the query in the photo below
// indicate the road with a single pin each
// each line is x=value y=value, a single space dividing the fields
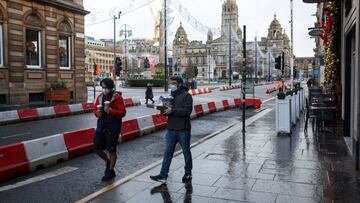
x=86 y=171
x=37 y=129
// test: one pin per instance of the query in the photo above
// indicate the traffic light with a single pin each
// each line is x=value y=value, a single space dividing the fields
x=196 y=71
x=283 y=62
x=146 y=63
x=278 y=62
x=118 y=66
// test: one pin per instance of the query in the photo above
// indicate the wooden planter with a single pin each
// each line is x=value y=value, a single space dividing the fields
x=57 y=95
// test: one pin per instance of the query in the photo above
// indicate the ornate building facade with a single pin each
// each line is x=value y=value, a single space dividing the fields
x=216 y=51
x=41 y=42
x=275 y=44
x=202 y=55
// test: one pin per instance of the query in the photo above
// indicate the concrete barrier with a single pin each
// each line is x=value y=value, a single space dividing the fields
x=205 y=108
x=46 y=112
x=46 y=151
x=28 y=114
x=9 y=116
x=30 y=155
x=129 y=130
x=23 y=115
x=13 y=161
x=79 y=142
x=76 y=108
x=146 y=124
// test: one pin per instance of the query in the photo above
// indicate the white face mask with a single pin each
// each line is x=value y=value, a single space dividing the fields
x=173 y=88
x=105 y=91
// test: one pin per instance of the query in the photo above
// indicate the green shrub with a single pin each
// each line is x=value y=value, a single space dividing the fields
x=143 y=83
x=58 y=85
x=281 y=95
x=289 y=93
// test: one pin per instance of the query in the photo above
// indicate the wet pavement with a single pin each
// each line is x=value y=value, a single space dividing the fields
x=266 y=168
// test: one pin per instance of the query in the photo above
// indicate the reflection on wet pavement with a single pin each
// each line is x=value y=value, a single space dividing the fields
x=268 y=168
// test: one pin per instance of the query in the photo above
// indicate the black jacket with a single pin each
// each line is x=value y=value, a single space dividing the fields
x=182 y=106
x=149 y=93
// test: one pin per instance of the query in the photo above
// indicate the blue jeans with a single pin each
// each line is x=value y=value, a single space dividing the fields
x=172 y=137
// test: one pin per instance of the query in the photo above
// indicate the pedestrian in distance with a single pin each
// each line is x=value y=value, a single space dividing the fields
x=178 y=129
x=109 y=109
x=280 y=86
x=149 y=94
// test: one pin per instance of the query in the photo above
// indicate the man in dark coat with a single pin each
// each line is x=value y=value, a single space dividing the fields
x=178 y=129
x=149 y=94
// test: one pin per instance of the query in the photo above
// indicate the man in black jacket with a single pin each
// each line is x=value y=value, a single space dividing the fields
x=179 y=129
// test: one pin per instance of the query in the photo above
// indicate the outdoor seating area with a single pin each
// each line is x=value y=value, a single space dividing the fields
x=321 y=110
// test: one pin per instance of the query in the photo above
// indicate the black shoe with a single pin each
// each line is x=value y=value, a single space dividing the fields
x=158 y=178
x=107 y=168
x=186 y=178
x=108 y=176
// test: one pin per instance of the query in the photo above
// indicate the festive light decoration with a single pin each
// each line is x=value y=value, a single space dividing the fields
x=331 y=41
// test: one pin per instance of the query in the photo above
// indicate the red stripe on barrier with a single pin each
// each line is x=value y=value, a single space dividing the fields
x=193 y=92
x=79 y=142
x=128 y=102
x=238 y=102
x=198 y=110
x=200 y=91
x=28 y=114
x=212 y=107
x=61 y=110
x=88 y=106
x=225 y=104
x=13 y=161
x=159 y=121
x=129 y=130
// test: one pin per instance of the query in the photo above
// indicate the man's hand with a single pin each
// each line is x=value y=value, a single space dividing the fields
x=167 y=111
x=107 y=110
x=98 y=114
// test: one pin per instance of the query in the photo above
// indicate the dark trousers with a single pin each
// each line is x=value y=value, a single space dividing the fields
x=172 y=138
x=147 y=99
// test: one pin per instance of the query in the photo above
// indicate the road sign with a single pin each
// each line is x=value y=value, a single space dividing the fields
x=249 y=87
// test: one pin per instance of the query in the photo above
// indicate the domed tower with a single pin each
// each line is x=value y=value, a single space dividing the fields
x=275 y=30
x=181 y=36
x=229 y=11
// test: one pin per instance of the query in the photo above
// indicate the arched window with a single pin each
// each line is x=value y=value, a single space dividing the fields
x=33 y=28
x=65 y=31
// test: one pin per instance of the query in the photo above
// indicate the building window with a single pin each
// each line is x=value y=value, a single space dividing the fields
x=1 y=48
x=36 y=97
x=64 y=52
x=33 y=48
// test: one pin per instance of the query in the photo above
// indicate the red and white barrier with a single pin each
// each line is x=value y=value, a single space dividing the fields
x=79 y=142
x=224 y=88
x=13 y=161
x=146 y=124
x=200 y=91
x=53 y=111
x=46 y=151
x=27 y=156
x=271 y=90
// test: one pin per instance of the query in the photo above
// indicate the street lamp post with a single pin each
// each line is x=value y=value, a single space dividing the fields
x=292 y=43
x=230 y=68
x=126 y=31
x=115 y=18
x=165 y=47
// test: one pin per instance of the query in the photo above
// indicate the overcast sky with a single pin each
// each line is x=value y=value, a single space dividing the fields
x=255 y=14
